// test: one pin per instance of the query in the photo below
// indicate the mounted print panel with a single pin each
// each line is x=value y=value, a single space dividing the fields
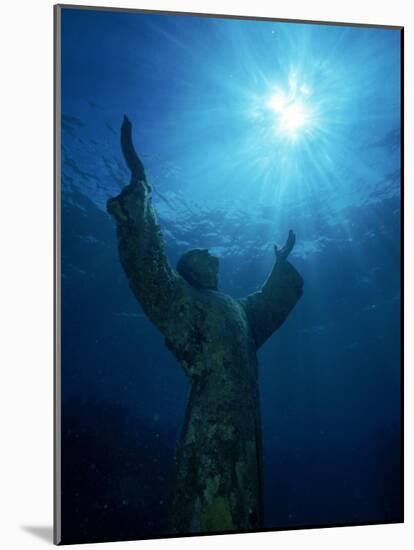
x=229 y=282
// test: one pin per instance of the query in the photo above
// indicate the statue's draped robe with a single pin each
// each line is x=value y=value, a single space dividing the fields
x=215 y=338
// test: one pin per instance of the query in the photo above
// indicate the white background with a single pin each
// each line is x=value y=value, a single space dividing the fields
x=26 y=282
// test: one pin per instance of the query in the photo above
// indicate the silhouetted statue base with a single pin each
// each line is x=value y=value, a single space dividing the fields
x=215 y=338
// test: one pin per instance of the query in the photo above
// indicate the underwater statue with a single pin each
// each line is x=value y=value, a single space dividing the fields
x=215 y=339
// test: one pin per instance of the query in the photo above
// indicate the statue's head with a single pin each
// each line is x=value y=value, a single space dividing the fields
x=199 y=268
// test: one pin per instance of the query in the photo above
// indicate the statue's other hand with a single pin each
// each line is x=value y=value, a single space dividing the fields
x=283 y=253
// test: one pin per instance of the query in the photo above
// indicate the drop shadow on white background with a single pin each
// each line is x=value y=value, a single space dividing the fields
x=43 y=532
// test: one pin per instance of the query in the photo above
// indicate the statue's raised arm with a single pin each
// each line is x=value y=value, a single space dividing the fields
x=141 y=247
x=268 y=308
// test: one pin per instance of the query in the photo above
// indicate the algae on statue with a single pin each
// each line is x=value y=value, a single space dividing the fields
x=215 y=338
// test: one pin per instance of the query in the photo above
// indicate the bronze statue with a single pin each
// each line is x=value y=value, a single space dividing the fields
x=215 y=338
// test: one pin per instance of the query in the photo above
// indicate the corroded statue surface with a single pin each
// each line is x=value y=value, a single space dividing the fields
x=215 y=338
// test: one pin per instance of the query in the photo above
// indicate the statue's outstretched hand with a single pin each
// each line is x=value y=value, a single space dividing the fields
x=138 y=185
x=283 y=253
x=128 y=149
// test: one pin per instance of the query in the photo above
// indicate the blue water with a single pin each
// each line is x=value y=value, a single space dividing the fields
x=234 y=167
